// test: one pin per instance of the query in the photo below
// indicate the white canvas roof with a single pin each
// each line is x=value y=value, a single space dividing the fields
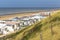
x=2 y=21
x=35 y=17
x=2 y=25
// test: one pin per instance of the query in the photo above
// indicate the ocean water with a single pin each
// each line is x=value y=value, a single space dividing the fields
x=4 y=11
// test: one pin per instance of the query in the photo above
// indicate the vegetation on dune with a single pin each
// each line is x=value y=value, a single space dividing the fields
x=47 y=29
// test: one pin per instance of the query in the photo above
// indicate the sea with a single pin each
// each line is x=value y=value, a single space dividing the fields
x=12 y=10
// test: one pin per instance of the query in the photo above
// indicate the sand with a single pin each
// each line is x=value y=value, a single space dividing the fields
x=9 y=16
x=6 y=17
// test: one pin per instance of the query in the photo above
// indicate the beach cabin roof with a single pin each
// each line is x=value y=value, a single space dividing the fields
x=36 y=16
x=11 y=23
x=2 y=21
x=2 y=25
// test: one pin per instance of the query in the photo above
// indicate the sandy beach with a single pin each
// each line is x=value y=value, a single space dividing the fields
x=8 y=16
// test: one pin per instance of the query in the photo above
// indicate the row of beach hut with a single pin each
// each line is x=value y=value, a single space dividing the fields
x=14 y=24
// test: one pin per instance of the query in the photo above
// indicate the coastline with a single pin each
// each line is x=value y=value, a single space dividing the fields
x=21 y=14
x=8 y=16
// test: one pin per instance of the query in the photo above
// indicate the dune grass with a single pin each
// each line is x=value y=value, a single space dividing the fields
x=44 y=28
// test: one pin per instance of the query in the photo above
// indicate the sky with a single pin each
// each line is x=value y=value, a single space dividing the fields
x=29 y=3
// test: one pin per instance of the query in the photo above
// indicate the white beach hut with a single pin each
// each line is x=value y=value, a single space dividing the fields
x=36 y=17
x=1 y=28
x=13 y=24
x=1 y=21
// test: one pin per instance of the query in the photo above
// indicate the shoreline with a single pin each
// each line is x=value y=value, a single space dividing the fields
x=21 y=14
x=35 y=11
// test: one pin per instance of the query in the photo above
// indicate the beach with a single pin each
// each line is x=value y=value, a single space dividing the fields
x=6 y=17
x=9 y=16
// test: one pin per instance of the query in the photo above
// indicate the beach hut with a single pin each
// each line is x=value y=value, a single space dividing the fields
x=15 y=25
x=2 y=27
x=23 y=23
x=5 y=31
x=10 y=28
x=15 y=19
x=1 y=21
x=36 y=17
x=31 y=21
